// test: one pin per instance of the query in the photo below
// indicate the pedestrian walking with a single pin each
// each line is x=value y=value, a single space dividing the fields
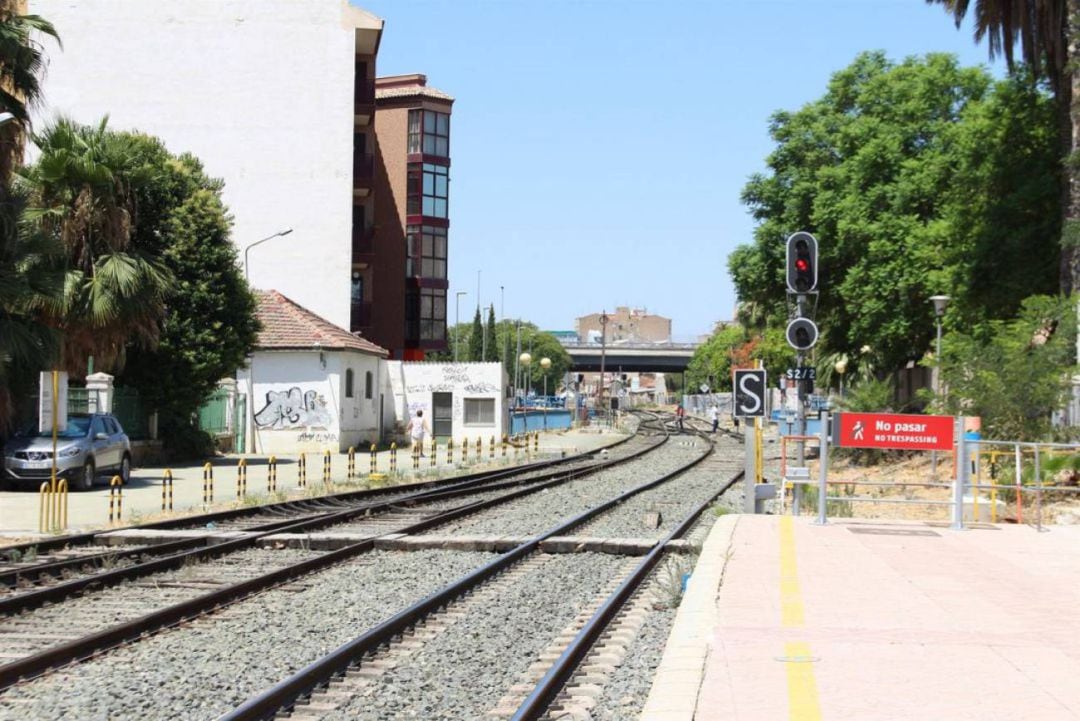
x=714 y=416
x=680 y=413
x=417 y=431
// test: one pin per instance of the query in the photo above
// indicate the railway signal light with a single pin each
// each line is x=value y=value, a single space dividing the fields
x=802 y=334
x=802 y=271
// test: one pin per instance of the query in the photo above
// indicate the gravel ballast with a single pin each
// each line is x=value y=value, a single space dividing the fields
x=202 y=670
x=545 y=509
x=464 y=671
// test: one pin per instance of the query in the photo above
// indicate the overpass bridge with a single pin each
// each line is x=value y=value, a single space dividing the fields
x=631 y=357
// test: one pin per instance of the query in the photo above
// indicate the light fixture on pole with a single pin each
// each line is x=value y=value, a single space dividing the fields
x=524 y=359
x=545 y=365
x=840 y=366
x=247 y=250
x=603 y=355
x=941 y=302
x=457 y=322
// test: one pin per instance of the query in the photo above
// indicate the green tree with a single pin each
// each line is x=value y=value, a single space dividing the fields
x=1047 y=31
x=712 y=361
x=210 y=327
x=918 y=178
x=1013 y=373
x=476 y=338
x=491 y=351
x=22 y=65
x=83 y=187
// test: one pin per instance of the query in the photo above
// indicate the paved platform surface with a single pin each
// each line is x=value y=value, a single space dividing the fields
x=875 y=621
x=142 y=496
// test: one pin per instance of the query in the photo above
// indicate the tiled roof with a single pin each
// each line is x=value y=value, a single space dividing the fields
x=289 y=326
x=409 y=91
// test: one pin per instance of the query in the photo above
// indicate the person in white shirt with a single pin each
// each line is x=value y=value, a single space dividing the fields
x=417 y=430
x=714 y=416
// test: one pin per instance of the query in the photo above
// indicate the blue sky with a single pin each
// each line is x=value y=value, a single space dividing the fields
x=599 y=148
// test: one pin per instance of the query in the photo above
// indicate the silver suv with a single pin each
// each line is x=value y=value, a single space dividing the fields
x=93 y=443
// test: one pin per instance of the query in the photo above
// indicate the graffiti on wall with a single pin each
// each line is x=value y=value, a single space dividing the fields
x=454 y=378
x=293 y=408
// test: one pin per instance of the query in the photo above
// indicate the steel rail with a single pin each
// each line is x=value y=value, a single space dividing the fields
x=206 y=543
x=284 y=695
x=87 y=646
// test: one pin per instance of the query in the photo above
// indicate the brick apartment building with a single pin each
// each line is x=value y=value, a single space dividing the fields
x=400 y=225
x=634 y=325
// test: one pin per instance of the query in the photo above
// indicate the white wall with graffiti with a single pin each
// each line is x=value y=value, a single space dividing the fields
x=459 y=400
x=311 y=401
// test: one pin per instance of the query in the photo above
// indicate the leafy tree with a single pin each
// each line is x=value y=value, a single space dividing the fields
x=1047 y=31
x=84 y=187
x=210 y=327
x=476 y=338
x=491 y=352
x=711 y=362
x=22 y=65
x=918 y=178
x=1014 y=373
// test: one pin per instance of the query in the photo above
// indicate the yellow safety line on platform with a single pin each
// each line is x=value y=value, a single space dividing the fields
x=803 y=702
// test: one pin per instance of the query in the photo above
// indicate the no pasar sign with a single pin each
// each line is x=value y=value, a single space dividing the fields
x=898 y=431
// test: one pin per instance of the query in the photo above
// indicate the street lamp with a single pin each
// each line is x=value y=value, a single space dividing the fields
x=524 y=359
x=603 y=354
x=457 y=322
x=247 y=250
x=941 y=302
x=545 y=364
x=840 y=366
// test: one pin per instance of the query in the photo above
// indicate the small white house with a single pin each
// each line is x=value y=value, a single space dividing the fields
x=311 y=385
x=460 y=400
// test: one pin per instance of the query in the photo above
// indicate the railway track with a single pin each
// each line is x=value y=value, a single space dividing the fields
x=36 y=648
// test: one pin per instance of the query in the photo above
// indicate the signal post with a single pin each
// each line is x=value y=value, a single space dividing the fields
x=801 y=260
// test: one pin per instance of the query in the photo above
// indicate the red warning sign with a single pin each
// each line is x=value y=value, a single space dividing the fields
x=894 y=430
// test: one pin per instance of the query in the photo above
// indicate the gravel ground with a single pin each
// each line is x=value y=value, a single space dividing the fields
x=463 y=672
x=541 y=511
x=202 y=670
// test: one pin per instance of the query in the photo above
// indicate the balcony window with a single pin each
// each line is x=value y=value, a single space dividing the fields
x=429 y=133
x=432 y=314
x=426 y=253
x=428 y=189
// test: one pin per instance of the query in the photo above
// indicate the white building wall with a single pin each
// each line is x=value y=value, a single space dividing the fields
x=260 y=90
x=294 y=402
x=413 y=384
x=359 y=416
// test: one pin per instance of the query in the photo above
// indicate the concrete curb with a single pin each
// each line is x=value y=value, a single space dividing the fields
x=674 y=692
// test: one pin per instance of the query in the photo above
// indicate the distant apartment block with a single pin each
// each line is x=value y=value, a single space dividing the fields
x=625 y=324
x=279 y=98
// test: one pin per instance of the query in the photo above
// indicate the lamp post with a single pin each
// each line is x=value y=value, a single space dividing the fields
x=840 y=366
x=941 y=302
x=603 y=355
x=524 y=359
x=457 y=322
x=247 y=250
x=545 y=364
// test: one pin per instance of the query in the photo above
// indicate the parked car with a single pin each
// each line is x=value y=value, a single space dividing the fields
x=92 y=444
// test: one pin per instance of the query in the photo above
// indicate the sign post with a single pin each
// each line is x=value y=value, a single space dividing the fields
x=748 y=401
x=52 y=412
x=823 y=471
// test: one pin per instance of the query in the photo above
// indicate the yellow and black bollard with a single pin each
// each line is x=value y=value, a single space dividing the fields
x=326 y=467
x=393 y=457
x=62 y=498
x=241 y=478
x=53 y=506
x=271 y=475
x=45 y=494
x=434 y=451
x=536 y=441
x=505 y=443
x=301 y=471
x=517 y=446
x=465 y=450
x=416 y=446
x=166 y=491
x=491 y=450
x=207 y=484
x=374 y=460
x=116 y=500
x=352 y=463
x=479 y=449
x=450 y=451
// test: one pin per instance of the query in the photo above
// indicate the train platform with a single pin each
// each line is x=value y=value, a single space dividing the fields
x=875 y=621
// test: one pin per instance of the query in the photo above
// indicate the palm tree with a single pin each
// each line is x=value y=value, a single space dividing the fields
x=82 y=186
x=1043 y=30
x=22 y=64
